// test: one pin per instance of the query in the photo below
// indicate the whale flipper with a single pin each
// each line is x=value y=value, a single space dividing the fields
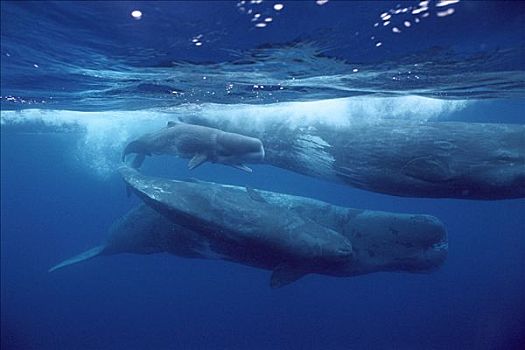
x=197 y=160
x=88 y=254
x=242 y=167
x=284 y=275
x=428 y=168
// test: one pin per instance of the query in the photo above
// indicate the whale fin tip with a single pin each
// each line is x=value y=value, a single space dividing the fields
x=197 y=160
x=242 y=167
x=284 y=275
x=88 y=254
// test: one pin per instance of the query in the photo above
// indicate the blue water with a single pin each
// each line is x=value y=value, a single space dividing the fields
x=79 y=79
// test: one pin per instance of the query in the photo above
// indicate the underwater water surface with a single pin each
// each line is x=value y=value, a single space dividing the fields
x=81 y=79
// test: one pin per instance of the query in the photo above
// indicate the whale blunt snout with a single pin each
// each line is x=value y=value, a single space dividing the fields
x=245 y=148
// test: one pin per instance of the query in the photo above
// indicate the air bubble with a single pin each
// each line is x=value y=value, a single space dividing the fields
x=136 y=14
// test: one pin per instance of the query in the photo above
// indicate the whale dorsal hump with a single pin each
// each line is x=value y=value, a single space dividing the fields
x=284 y=275
x=254 y=195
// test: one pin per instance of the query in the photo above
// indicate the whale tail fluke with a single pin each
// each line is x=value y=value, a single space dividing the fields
x=88 y=254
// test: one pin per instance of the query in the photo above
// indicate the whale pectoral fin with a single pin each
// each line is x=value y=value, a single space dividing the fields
x=429 y=168
x=88 y=254
x=242 y=167
x=284 y=275
x=138 y=160
x=197 y=160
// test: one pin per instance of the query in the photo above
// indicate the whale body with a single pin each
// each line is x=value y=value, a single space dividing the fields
x=243 y=220
x=199 y=143
x=401 y=158
x=378 y=241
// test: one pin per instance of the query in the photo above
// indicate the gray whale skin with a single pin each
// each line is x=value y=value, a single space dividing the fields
x=199 y=143
x=289 y=235
x=401 y=158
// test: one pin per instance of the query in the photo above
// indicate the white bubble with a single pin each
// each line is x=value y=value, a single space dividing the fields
x=396 y=30
x=416 y=20
x=445 y=13
x=376 y=24
x=278 y=7
x=260 y=25
x=136 y=14
x=387 y=17
x=386 y=23
x=446 y=2
x=379 y=44
x=35 y=65
x=198 y=44
x=407 y=24
x=321 y=2
x=268 y=19
x=257 y=15
x=355 y=70
x=419 y=10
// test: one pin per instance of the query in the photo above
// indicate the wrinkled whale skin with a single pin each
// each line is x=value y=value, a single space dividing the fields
x=379 y=241
x=401 y=158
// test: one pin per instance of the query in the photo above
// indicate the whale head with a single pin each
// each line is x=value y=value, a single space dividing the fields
x=401 y=242
x=237 y=149
x=497 y=170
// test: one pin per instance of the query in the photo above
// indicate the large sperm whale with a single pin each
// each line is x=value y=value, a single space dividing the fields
x=401 y=158
x=200 y=144
x=194 y=228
